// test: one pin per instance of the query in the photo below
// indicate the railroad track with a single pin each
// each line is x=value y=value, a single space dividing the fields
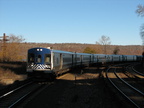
x=134 y=71
x=16 y=96
x=125 y=85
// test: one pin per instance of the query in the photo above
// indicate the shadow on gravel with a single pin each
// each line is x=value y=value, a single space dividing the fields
x=85 y=88
x=16 y=67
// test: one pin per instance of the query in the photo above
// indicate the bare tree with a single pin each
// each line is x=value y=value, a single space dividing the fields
x=105 y=41
x=16 y=39
x=140 y=12
x=13 y=49
x=142 y=33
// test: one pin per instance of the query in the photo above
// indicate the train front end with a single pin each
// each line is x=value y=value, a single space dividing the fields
x=39 y=62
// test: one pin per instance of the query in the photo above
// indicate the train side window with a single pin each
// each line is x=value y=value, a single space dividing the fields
x=31 y=57
x=57 y=61
x=39 y=59
x=47 y=58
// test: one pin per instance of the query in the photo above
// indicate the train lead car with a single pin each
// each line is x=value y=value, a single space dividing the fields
x=42 y=61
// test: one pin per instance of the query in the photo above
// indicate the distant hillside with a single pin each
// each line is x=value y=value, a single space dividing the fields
x=77 y=47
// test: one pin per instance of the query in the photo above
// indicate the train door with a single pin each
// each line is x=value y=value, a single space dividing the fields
x=90 y=60
x=112 y=58
x=119 y=58
x=96 y=58
x=75 y=59
x=61 y=61
x=81 y=59
x=126 y=58
x=72 y=60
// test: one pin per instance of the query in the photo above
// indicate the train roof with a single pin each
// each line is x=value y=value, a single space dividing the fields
x=48 y=50
x=60 y=51
x=55 y=51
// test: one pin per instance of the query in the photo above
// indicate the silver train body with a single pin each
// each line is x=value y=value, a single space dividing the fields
x=48 y=61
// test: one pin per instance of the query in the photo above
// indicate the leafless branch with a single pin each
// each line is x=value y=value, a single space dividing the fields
x=140 y=10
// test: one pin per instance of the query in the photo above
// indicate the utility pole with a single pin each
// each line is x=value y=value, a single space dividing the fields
x=4 y=39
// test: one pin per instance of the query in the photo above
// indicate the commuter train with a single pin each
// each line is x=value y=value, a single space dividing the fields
x=46 y=61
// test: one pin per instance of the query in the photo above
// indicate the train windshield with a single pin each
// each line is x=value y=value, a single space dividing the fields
x=38 y=60
x=30 y=57
x=47 y=58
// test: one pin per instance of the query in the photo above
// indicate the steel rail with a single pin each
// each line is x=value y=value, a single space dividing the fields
x=137 y=71
x=24 y=97
x=130 y=100
x=14 y=90
x=13 y=105
x=129 y=85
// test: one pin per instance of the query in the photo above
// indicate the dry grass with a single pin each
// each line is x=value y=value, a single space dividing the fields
x=9 y=77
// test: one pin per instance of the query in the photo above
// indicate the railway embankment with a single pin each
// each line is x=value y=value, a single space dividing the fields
x=11 y=75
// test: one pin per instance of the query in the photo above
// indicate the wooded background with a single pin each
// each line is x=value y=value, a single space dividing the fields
x=18 y=51
x=14 y=49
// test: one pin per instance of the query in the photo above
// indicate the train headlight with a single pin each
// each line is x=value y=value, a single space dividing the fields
x=39 y=49
x=32 y=65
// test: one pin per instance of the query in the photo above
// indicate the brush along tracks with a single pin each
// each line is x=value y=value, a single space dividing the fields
x=124 y=81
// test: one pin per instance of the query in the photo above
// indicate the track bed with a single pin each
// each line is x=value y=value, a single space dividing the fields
x=82 y=89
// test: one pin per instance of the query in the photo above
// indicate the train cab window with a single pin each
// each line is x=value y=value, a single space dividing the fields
x=30 y=57
x=47 y=59
x=38 y=60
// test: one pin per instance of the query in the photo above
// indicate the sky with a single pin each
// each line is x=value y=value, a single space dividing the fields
x=72 y=21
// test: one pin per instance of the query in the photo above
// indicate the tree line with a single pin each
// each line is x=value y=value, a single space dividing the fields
x=16 y=49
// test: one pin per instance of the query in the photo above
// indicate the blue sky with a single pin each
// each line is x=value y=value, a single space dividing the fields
x=72 y=21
